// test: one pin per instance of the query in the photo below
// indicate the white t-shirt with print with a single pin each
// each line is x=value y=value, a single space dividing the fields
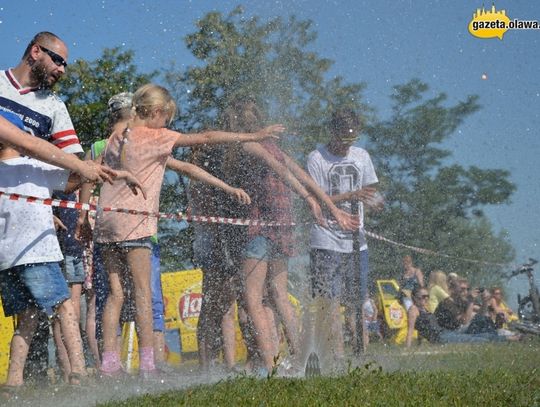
x=43 y=113
x=27 y=233
x=337 y=175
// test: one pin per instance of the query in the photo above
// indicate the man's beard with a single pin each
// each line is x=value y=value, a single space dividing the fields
x=40 y=76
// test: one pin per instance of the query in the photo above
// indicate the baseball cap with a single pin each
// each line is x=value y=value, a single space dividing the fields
x=120 y=101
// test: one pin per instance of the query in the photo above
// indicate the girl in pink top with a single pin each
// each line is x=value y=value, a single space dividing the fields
x=143 y=148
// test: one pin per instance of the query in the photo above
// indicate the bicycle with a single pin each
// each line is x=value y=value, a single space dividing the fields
x=528 y=306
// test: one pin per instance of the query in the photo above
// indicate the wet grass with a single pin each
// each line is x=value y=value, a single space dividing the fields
x=458 y=375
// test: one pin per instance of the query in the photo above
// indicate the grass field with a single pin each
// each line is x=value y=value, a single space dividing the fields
x=458 y=375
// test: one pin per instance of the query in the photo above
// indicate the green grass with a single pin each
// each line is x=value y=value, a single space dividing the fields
x=459 y=375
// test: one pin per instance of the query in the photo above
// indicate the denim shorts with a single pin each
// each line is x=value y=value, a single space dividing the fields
x=334 y=275
x=262 y=248
x=40 y=285
x=73 y=269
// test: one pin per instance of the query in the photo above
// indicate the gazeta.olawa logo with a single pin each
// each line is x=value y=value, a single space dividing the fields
x=495 y=23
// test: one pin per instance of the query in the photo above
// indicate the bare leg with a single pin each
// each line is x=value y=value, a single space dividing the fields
x=216 y=328
x=159 y=346
x=248 y=334
x=61 y=352
x=350 y=322
x=246 y=325
x=76 y=291
x=20 y=343
x=207 y=330
x=337 y=329
x=229 y=337
x=115 y=299
x=273 y=325
x=138 y=260
x=91 y=325
x=224 y=318
x=72 y=336
x=254 y=272
x=280 y=296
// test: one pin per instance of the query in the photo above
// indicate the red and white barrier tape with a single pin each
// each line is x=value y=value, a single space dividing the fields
x=60 y=203
x=431 y=252
x=212 y=219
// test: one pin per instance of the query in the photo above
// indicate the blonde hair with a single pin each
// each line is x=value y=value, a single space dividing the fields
x=438 y=277
x=150 y=98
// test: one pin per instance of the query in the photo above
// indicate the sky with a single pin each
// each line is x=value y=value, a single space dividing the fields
x=382 y=43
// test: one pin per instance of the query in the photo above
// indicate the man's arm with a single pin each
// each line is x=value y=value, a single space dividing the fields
x=45 y=151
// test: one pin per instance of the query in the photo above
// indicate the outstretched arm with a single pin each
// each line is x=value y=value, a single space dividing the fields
x=364 y=194
x=75 y=181
x=217 y=137
x=344 y=219
x=198 y=174
x=47 y=152
x=83 y=230
x=288 y=177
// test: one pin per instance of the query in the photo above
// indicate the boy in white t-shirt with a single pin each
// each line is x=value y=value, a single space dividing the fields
x=30 y=275
x=345 y=172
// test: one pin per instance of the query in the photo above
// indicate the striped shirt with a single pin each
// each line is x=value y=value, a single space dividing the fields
x=43 y=113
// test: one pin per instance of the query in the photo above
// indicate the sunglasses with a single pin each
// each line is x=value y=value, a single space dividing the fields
x=57 y=59
x=349 y=139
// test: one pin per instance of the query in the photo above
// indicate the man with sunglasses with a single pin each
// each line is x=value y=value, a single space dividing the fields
x=345 y=172
x=26 y=91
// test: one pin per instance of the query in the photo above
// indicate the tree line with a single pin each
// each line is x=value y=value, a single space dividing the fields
x=431 y=201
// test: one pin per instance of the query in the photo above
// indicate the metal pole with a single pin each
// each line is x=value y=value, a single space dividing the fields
x=360 y=342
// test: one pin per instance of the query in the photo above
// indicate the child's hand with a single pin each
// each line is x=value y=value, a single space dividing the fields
x=93 y=172
x=58 y=224
x=240 y=195
x=83 y=230
x=269 y=131
x=132 y=182
x=371 y=198
x=345 y=220
x=364 y=194
x=316 y=211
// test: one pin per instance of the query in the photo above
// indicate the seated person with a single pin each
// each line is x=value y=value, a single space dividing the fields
x=500 y=309
x=437 y=288
x=482 y=320
x=456 y=311
x=419 y=318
